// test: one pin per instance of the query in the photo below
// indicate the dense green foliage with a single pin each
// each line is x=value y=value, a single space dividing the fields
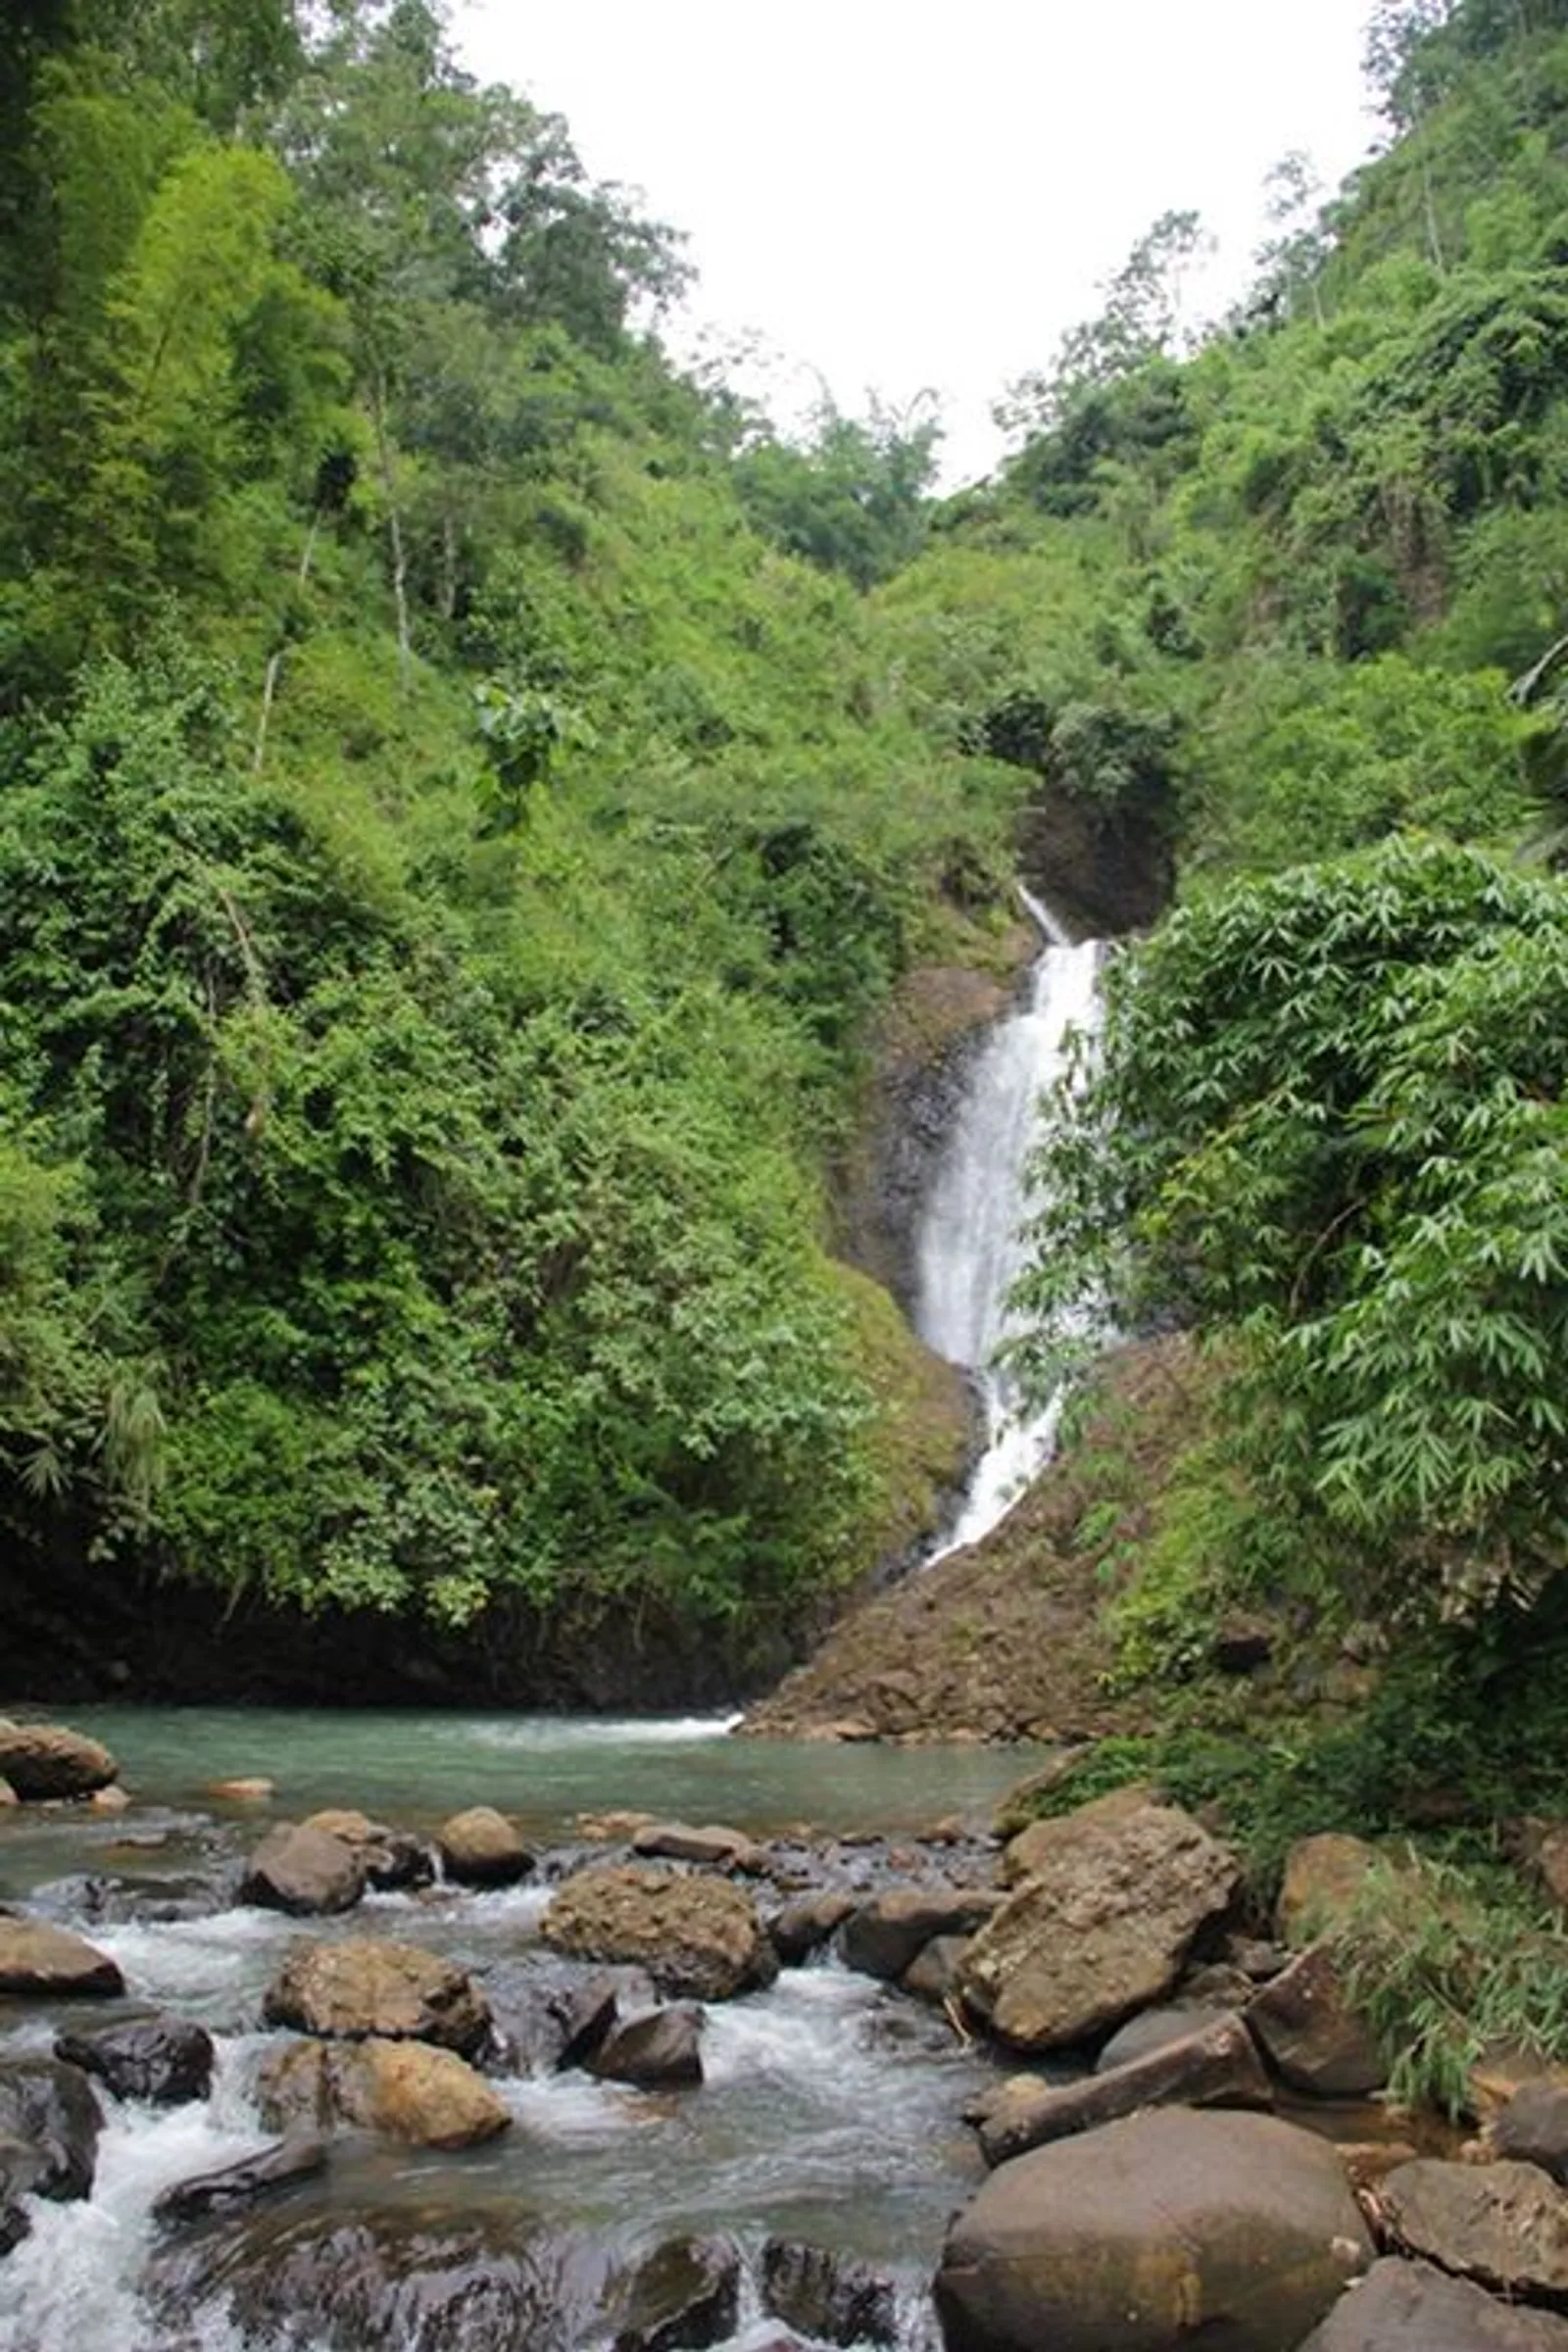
x=447 y=857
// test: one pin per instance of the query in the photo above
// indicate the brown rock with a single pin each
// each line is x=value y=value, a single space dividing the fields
x=804 y=1924
x=110 y=1800
x=1036 y=1847
x=250 y=1789
x=404 y=2091
x=482 y=1848
x=614 y=1828
x=1504 y=2225
x=658 y=2050
x=933 y=1974
x=1216 y=2067
x=393 y=1991
x=1176 y=2226
x=8 y=1796
x=305 y=1872
x=1101 y=1928
x=1367 y=2162
x=1533 y=2128
x=711 y=1849
x=882 y=1938
x=696 y=1935
x=1323 y=1877
x=1409 y=2307
x=389 y=1858
x=48 y=1759
x=52 y=1962
x=1312 y=2034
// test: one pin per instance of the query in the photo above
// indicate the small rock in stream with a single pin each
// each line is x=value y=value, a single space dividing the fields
x=49 y=2126
x=165 y=2060
x=826 y=2296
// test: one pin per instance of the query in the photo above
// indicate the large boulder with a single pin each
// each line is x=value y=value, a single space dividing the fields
x=1504 y=2225
x=49 y=2124
x=827 y=2296
x=1409 y=2307
x=394 y=1990
x=1312 y=2034
x=48 y=1759
x=1101 y=1928
x=307 y=1872
x=1236 y=2232
x=695 y=1935
x=659 y=2050
x=404 y=2091
x=53 y=1963
x=1219 y=2066
x=885 y=1936
x=163 y=2060
x=481 y=1847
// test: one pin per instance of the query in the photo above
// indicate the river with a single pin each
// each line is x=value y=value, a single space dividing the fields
x=830 y=2108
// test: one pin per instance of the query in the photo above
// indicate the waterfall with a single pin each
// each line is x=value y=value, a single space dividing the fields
x=970 y=1244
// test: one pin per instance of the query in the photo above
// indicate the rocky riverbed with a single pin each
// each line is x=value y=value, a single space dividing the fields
x=341 y=2081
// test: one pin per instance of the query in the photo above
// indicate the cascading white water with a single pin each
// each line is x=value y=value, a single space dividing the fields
x=970 y=1249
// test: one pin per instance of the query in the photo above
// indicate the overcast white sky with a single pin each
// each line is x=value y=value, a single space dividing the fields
x=901 y=199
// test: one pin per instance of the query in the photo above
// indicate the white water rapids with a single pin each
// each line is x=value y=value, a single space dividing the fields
x=970 y=1247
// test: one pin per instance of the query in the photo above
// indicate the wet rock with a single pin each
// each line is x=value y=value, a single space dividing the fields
x=1323 y=1877
x=1175 y=2226
x=1504 y=2225
x=111 y=1799
x=1411 y=2307
x=1102 y=1926
x=1216 y=2067
x=1154 y=2030
x=305 y=1872
x=50 y=2117
x=695 y=1935
x=658 y=2050
x=482 y=1848
x=882 y=1938
x=1310 y=2033
x=391 y=1859
x=236 y=2185
x=165 y=2060
x=711 y=1848
x=250 y=1789
x=803 y=1926
x=682 y=2298
x=365 y=1986
x=935 y=1974
x=1533 y=2128
x=404 y=2091
x=50 y=1760
x=53 y=1963
x=423 y=2277
x=546 y=2017
x=826 y=2296
x=14 y=2222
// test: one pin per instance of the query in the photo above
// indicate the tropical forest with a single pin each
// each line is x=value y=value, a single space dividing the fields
x=509 y=858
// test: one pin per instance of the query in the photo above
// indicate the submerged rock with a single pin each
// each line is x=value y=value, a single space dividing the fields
x=49 y=2127
x=303 y=1871
x=367 y=1986
x=165 y=2060
x=661 y=2049
x=283 y=2166
x=1101 y=1928
x=694 y=1935
x=826 y=2296
x=1236 y=2230
x=53 y=1963
x=682 y=2298
x=43 y=1760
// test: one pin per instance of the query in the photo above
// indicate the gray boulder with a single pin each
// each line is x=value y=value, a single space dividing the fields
x=1310 y=2033
x=163 y=2060
x=1409 y=2307
x=309 y=1873
x=1235 y=2232
x=884 y=1937
x=659 y=2050
x=1533 y=2128
x=1504 y=2225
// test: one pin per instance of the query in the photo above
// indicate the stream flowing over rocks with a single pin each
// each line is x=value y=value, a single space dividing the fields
x=667 y=2081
